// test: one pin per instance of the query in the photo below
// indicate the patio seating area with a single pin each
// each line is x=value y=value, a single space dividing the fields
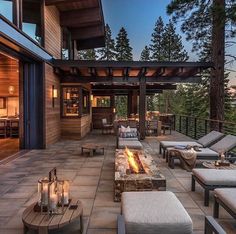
x=92 y=181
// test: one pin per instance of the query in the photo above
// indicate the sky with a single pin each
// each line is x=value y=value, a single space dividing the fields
x=139 y=17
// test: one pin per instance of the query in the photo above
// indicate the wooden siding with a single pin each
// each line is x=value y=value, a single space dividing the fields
x=53 y=36
x=52 y=115
x=75 y=128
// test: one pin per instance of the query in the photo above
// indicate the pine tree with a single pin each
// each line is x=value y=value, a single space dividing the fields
x=87 y=54
x=123 y=48
x=156 y=46
x=108 y=52
x=200 y=18
x=145 y=54
x=173 y=49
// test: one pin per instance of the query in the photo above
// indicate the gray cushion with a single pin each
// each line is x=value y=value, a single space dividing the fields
x=154 y=212
x=225 y=144
x=168 y=144
x=128 y=139
x=210 y=138
x=227 y=196
x=123 y=143
x=207 y=152
x=217 y=177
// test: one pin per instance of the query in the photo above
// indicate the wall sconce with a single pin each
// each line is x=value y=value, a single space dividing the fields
x=54 y=95
x=91 y=97
x=114 y=110
x=11 y=89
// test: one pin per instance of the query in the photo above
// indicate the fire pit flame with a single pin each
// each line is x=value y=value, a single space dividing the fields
x=132 y=160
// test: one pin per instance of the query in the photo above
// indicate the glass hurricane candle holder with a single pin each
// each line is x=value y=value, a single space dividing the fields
x=43 y=186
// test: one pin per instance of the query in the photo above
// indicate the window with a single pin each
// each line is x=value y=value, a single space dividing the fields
x=31 y=23
x=66 y=44
x=76 y=101
x=6 y=9
x=70 y=101
x=101 y=101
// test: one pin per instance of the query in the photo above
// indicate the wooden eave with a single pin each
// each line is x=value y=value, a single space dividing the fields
x=84 y=19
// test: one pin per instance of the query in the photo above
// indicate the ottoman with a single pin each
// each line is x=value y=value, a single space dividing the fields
x=131 y=144
x=154 y=212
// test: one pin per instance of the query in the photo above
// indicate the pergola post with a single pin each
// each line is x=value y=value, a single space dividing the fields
x=142 y=107
x=132 y=102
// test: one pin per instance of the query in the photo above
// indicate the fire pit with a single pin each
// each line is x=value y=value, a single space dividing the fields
x=136 y=171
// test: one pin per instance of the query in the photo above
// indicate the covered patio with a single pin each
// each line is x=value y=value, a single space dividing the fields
x=91 y=181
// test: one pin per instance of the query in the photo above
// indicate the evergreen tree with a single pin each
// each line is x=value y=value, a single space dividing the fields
x=108 y=52
x=173 y=49
x=200 y=18
x=145 y=54
x=87 y=54
x=123 y=48
x=156 y=46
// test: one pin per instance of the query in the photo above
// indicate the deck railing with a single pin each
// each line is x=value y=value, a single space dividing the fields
x=197 y=127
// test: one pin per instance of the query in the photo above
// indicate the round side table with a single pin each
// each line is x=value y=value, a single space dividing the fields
x=43 y=223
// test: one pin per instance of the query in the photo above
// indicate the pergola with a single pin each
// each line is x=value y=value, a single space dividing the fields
x=135 y=77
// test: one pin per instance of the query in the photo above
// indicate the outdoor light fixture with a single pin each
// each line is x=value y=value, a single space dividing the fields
x=91 y=97
x=114 y=110
x=53 y=194
x=11 y=89
x=54 y=95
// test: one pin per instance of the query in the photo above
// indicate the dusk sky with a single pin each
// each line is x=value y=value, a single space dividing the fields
x=139 y=17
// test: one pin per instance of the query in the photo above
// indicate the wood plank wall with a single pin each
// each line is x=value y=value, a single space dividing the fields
x=53 y=35
x=53 y=46
x=52 y=114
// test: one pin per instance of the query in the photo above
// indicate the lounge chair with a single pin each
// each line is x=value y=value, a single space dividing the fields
x=204 y=141
x=211 y=226
x=153 y=212
x=211 y=179
x=225 y=197
x=212 y=153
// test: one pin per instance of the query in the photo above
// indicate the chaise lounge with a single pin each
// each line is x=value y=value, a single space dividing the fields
x=211 y=179
x=153 y=212
x=225 y=197
x=204 y=141
x=212 y=153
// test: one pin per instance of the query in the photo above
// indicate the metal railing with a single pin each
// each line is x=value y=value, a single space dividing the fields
x=197 y=127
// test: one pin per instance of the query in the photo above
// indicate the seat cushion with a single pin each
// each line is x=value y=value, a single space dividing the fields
x=217 y=177
x=132 y=144
x=154 y=212
x=128 y=139
x=210 y=138
x=207 y=153
x=227 y=196
x=225 y=144
x=168 y=144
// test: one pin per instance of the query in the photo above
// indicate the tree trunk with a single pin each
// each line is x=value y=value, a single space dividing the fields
x=218 y=56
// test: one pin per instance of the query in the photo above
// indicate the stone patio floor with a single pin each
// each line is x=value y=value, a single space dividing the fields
x=92 y=182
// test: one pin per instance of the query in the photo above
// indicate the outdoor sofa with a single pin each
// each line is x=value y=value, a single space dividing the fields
x=128 y=138
x=204 y=141
x=153 y=212
x=226 y=197
x=211 y=179
x=212 y=153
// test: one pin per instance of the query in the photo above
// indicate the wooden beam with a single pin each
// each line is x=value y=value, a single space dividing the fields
x=109 y=72
x=81 y=18
x=90 y=43
x=87 y=32
x=131 y=64
x=135 y=87
x=58 y=2
x=131 y=80
x=92 y=71
x=160 y=71
x=142 y=107
x=142 y=72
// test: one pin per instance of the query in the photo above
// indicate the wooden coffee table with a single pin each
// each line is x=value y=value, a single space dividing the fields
x=211 y=165
x=43 y=223
x=92 y=148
